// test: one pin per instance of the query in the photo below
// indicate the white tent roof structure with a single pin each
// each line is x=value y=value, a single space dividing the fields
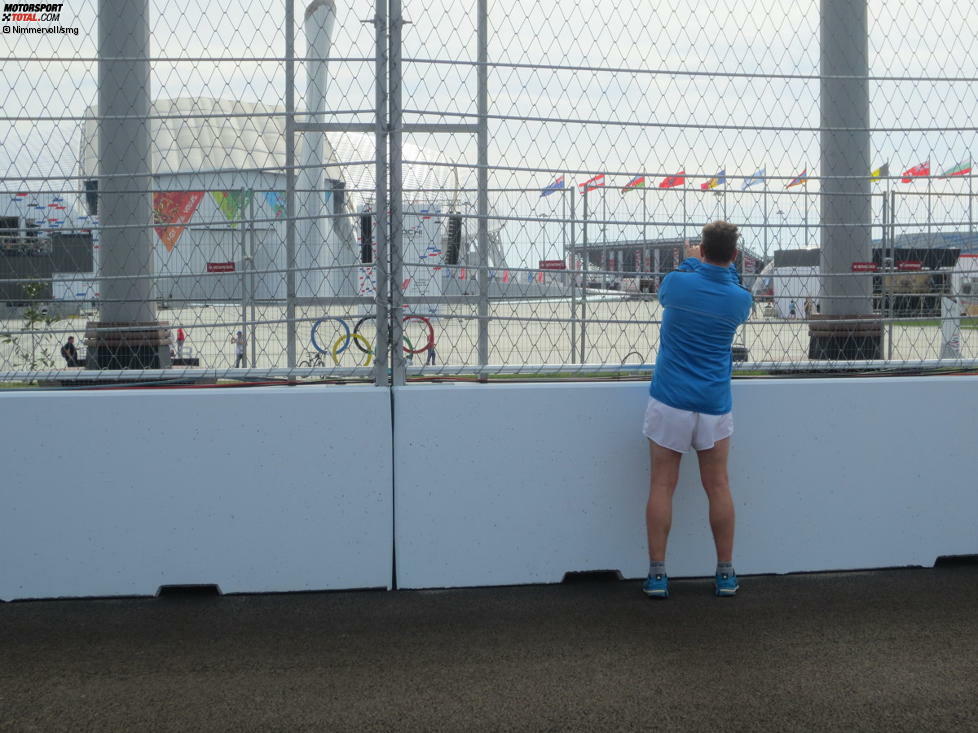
x=205 y=135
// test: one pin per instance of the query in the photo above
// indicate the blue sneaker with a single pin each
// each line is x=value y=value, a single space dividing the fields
x=656 y=586
x=726 y=585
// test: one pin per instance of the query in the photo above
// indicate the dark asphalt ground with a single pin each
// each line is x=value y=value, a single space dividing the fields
x=883 y=650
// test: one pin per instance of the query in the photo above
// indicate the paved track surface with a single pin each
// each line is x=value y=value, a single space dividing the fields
x=883 y=650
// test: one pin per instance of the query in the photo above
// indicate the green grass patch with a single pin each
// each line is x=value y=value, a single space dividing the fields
x=968 y=322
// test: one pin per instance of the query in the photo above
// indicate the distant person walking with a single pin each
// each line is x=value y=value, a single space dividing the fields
x=792 y=309
x=240 y=342
x=181 y=337
x=690 y=398
x=809 y=308
x=69 y=353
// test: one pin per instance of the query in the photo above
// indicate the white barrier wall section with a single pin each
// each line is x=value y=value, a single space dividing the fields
x=271 y=489
x=507 y=484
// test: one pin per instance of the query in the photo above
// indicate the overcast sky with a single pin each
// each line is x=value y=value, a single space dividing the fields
x=617 y=115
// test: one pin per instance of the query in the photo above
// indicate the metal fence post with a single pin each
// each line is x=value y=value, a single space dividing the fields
x=381 y=362
x=290 y=212
x=483 y=180
x=398 y=366
x=251 y=277
x=244 y=264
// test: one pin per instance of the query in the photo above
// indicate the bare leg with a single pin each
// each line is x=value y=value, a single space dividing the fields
x=713 y=474
x=662 y=485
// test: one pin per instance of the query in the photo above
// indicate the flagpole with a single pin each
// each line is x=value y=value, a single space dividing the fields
x=804 y=198
x=971 y=227
x=573 y=281
x=685 y=216
x=929 y=177
x=585 y=273
x=605 y=265
x=764 y=199
x=645 y=232
x=563 y=221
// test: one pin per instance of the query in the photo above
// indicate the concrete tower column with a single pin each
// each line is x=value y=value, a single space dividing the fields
x=845 y=185
x=128 y=335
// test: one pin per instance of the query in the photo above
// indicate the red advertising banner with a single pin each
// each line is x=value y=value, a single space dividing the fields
x=910 y=266
x=553 y=265
x=171 y=211
x=864 y=267
x=220 y=267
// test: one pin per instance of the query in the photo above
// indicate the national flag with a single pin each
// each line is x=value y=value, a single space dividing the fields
x=672 y=181
x=406 y=283
x=636 y=182
x=592 y=183
x=798 y=180
x=758 y=177
x=958 y=169
x=529 y=277
x=882 y=172
x=557 y=185
x=720 y=179
x=917 y=171
x=461 y=274
x=505 y=276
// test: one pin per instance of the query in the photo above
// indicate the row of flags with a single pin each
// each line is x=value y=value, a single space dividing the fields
x=921 y=170
x=463 y=273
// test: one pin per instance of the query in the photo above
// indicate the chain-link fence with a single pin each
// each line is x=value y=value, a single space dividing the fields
x=355 y=190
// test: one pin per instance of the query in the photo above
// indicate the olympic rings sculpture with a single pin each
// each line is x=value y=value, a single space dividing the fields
x=409 y=349
x=356 y=339
x=315 y=327
x=361 y=341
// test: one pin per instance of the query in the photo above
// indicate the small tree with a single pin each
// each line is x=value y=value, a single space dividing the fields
x=36 y=321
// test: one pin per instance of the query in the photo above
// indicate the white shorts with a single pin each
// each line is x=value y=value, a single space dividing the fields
x=682 y=430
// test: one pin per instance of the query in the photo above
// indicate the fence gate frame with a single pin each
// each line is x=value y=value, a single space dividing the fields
x=388 y=127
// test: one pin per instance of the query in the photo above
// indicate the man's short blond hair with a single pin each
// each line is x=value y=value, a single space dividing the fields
x=720 y=241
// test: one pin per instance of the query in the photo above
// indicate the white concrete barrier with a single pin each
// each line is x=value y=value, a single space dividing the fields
x=523 y=483
x=118 y=493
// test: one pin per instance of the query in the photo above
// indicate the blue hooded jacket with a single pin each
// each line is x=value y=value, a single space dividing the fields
x=703 y=306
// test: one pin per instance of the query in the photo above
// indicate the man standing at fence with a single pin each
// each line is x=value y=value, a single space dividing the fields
x=690 y=398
